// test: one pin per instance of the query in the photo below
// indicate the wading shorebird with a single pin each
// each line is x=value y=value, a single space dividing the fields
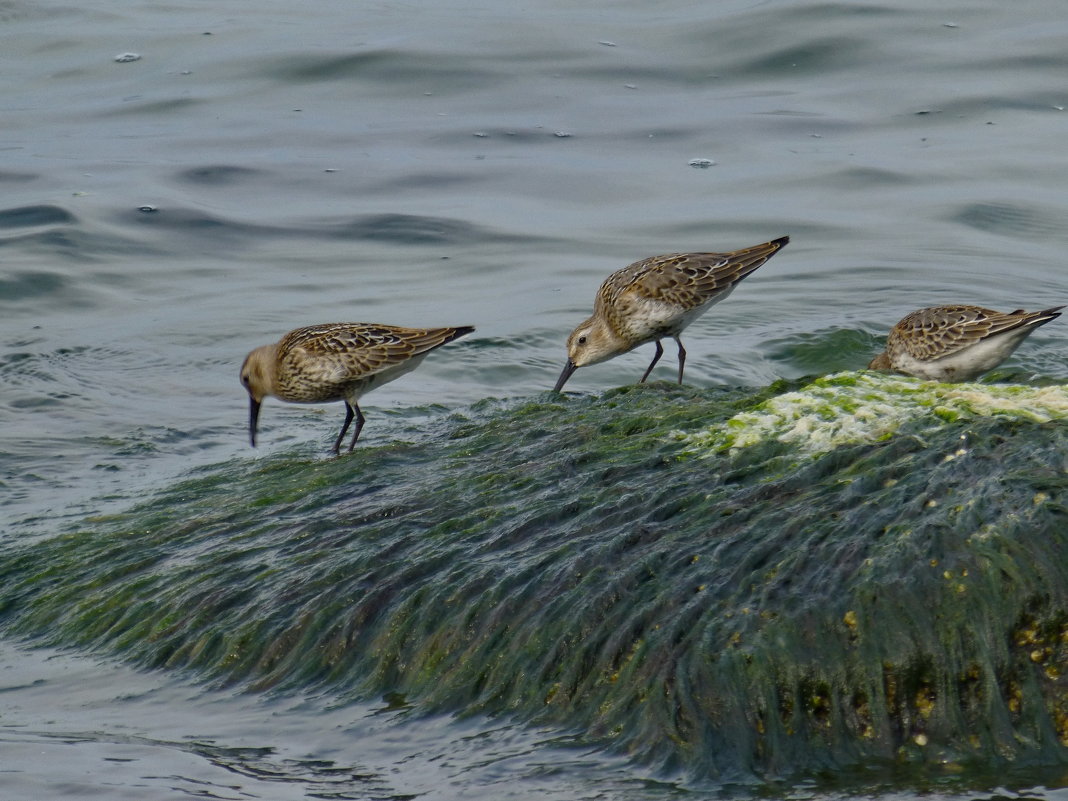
x=656 y=298
x=956 y=343
x=337 y=362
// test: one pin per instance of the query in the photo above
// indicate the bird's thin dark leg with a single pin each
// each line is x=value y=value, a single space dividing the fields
x=359 y=426
x=682 y=357
x=344 y=428
x=656 y=358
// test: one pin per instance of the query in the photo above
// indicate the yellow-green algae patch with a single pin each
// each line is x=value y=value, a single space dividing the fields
x=854 y=408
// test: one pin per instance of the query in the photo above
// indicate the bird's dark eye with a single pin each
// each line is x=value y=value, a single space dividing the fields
x=582 y=340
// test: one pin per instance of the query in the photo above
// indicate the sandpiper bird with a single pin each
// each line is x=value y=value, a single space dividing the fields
x=956 y=343
x=337 y=362
x=657 y=298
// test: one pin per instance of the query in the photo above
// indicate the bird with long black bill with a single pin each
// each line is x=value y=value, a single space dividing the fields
x=337 y=362
x=657 y=298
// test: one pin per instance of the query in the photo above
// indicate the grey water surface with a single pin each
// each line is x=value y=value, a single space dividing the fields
x=181 y=182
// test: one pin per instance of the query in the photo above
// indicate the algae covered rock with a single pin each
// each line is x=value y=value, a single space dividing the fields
x=859 y=570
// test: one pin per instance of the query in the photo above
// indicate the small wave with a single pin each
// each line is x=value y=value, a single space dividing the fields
x=34 y=216
x=25 y=285
x=218 y=175
x=408 y=229
x=1009 y=219
x=438 y=72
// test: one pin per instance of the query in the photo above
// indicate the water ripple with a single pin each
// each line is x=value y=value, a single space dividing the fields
x=436 y=71
x=1009 y=219
x=218 y=175
x=27 y=216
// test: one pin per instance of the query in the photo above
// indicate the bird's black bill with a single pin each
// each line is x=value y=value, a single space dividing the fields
x=253 y=418
x=569 y=368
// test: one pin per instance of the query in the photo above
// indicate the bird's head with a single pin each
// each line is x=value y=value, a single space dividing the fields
x=591 y=342
x=257 y=377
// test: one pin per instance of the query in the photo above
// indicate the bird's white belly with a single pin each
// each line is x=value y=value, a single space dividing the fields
x=965 y=364
x=652 y=319
x=365 y=385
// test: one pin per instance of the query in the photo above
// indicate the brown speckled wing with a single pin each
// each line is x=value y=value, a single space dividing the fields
x=324 y=358
x=687 y=279
x=940 y=331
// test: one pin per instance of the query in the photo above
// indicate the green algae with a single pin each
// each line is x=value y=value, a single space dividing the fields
x=850 y=408
x=772 y=609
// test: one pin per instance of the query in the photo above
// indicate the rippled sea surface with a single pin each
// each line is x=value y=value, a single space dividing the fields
x=182 y=182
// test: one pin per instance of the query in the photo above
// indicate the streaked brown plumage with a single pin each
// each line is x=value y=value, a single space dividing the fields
x=956 y=343
x=337 y=362
x=656 y=298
